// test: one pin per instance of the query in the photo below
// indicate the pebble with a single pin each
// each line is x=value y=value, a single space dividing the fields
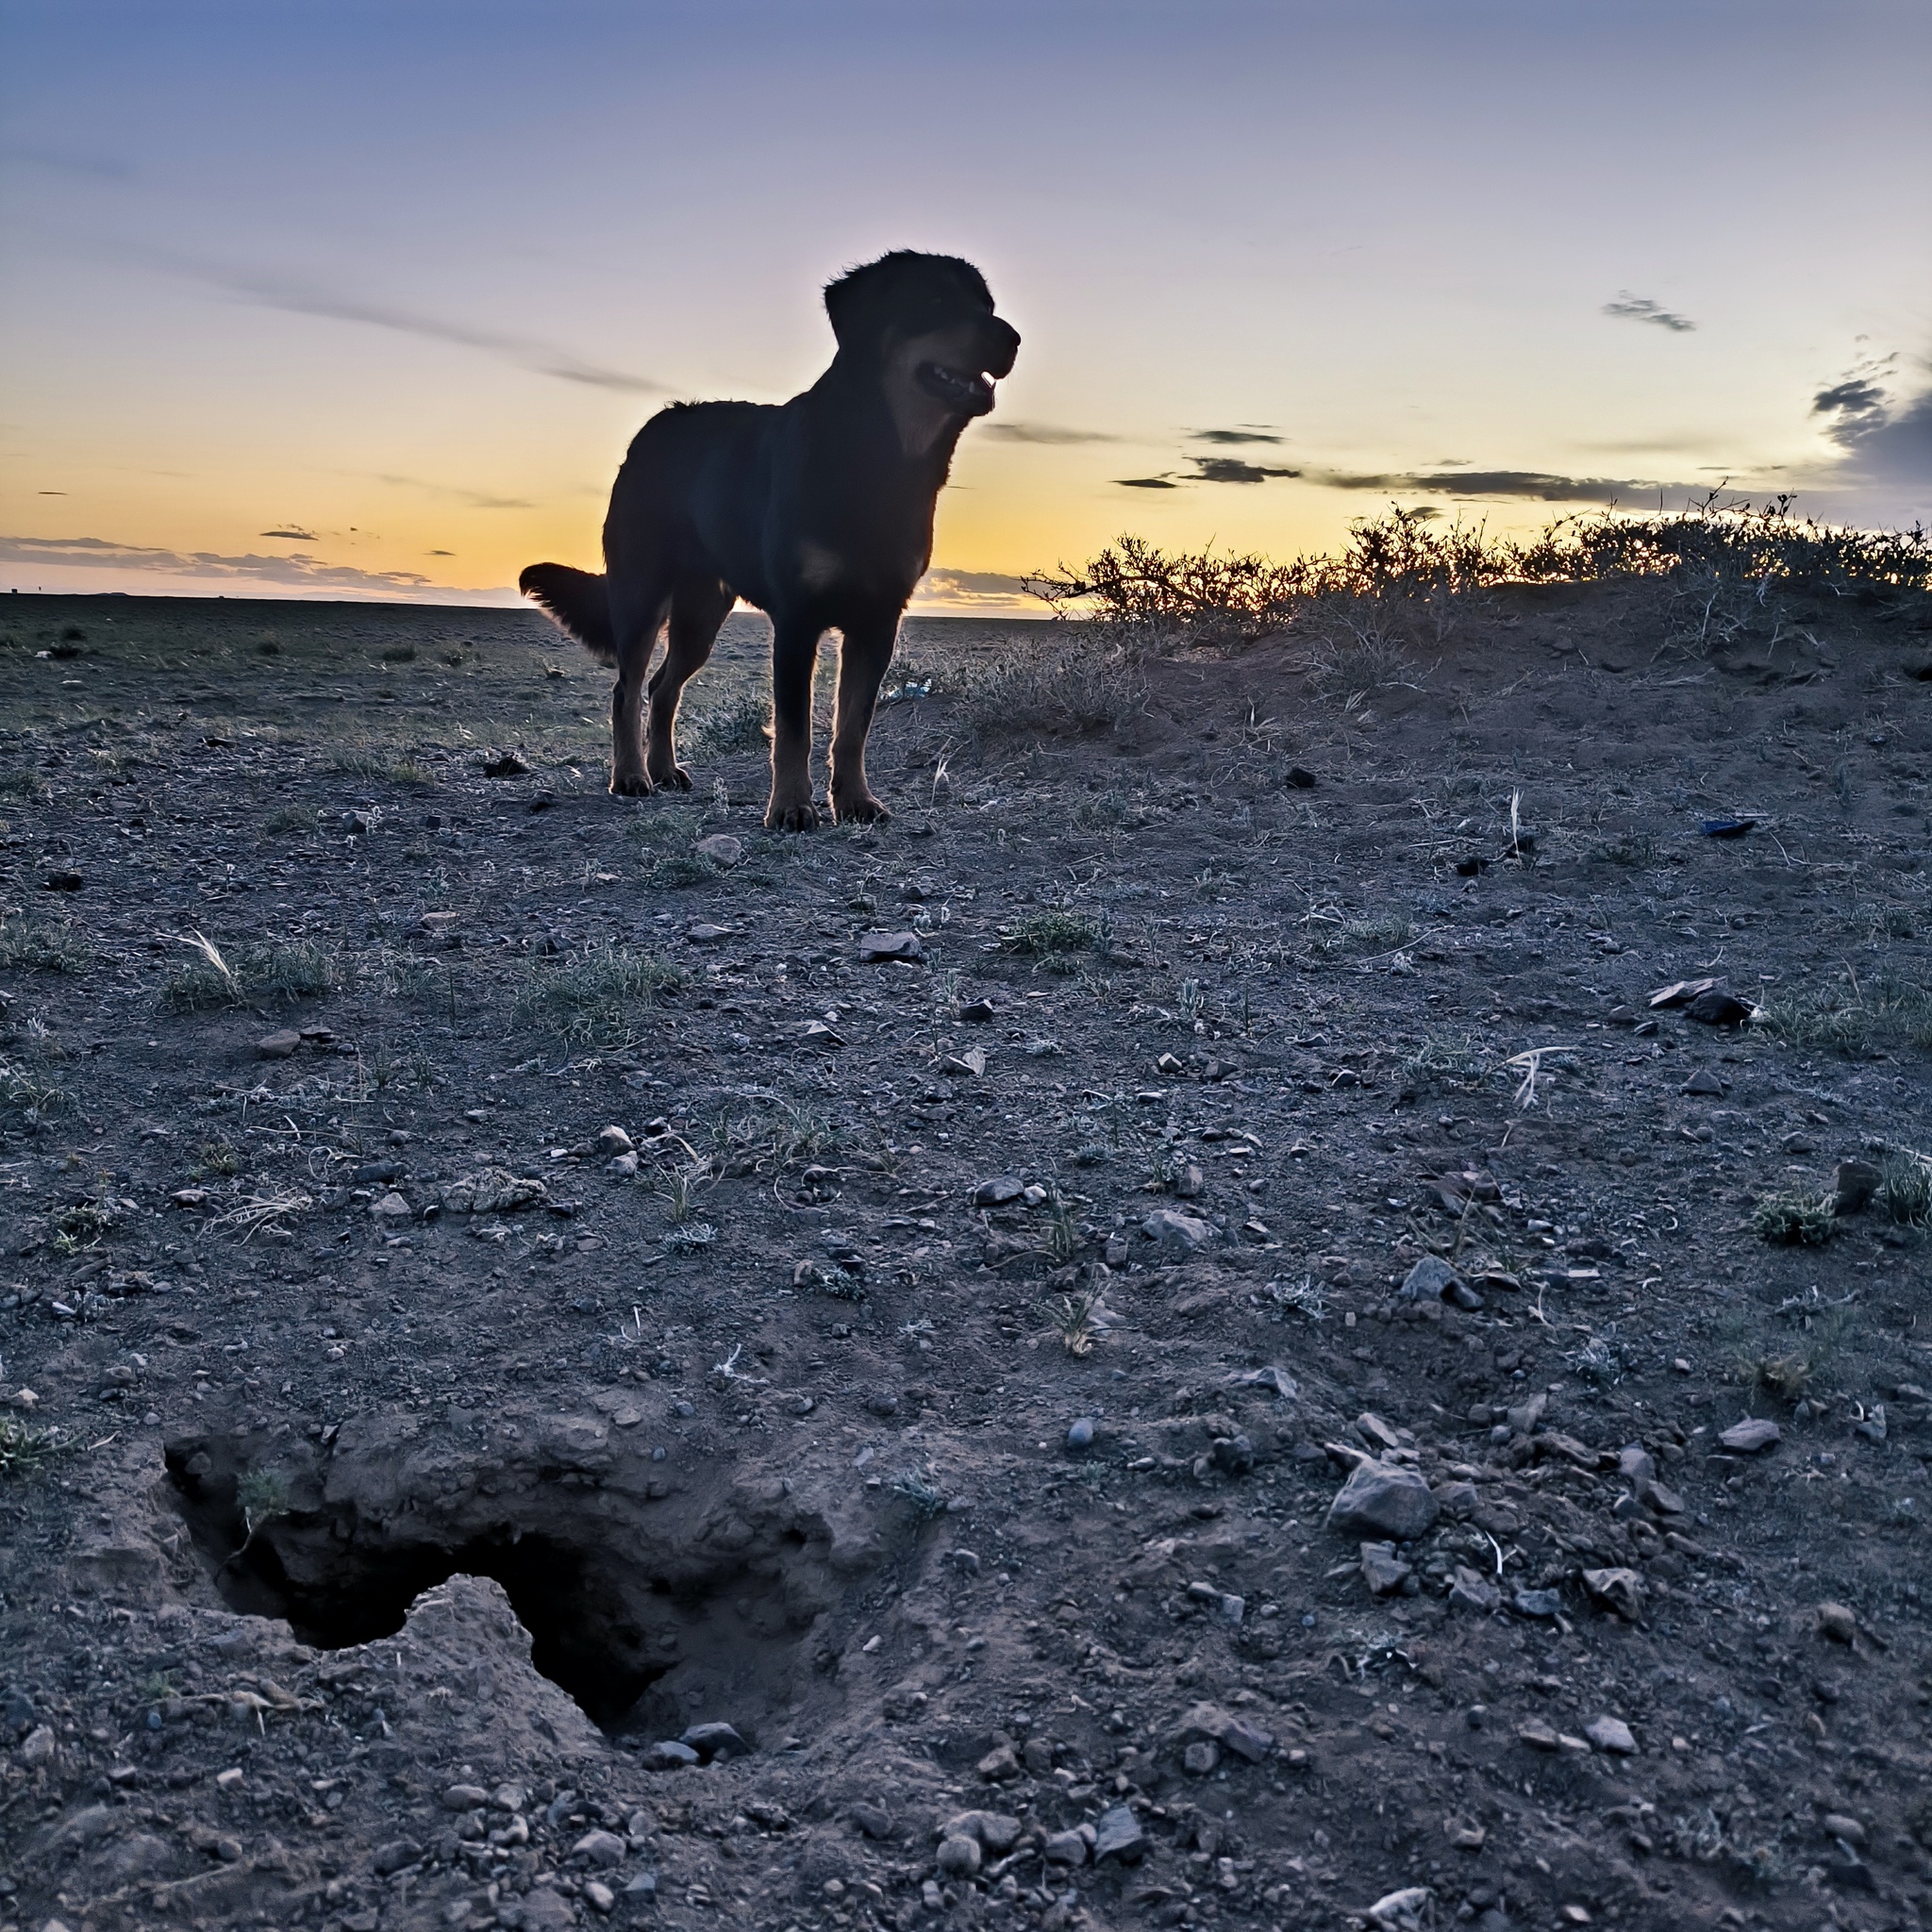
x=1619 y=1590
x=613 y=1140
x=1469 y=1590
x=546 y=1909
x=1201 y=1757
x=958 y=1857
x=721 y=848
x=998 y=1191
x=39 y=1747
x=1178 y=1234
x=995 y=1830
x=1064 y=1848
x=601 y=1848
x=1382 y=1500
x=277 y=1046
x=1383 y=1571
x=1080 y=1436
x=1611 y=1733
x=1117 y=1834
x=874 y=1820
x=1703 y=1081
x=976 y=1012
x=668 y=1755
x=390 y=1207
x=705 y=934
x=1544 y=1604
x=1835 y=1621
x=1001 y=1761
x=714 y=1740
x=1748 y=1436
x=601 y=1897
x=883 y=948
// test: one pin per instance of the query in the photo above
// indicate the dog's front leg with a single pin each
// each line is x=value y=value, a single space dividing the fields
x=863 y=660
x=634 y=623
x=795 y=652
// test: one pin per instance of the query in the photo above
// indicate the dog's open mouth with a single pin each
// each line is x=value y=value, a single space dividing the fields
x=956 y=389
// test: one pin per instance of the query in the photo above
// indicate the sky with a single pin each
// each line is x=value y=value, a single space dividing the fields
x=367 y=300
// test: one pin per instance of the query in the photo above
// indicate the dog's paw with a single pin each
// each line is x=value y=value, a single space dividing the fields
x=672 y=778
x=862 y=811
x=630 y=785
x=799 y=816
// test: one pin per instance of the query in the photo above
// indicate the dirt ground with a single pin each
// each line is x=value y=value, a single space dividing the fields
x=946 y=1373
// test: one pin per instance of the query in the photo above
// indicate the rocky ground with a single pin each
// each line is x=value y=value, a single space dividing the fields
x=1170 y=1339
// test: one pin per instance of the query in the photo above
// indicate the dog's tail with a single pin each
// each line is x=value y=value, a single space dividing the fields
x=577 y=600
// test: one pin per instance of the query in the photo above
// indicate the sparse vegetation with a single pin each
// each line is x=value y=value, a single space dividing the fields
x=300 y=970
x=25 y=1448
x=42 y=946
x=597 y=996
x=1905 y=1190
x=1789 y=1221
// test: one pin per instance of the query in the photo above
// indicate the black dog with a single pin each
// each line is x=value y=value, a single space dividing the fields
x=818 y=511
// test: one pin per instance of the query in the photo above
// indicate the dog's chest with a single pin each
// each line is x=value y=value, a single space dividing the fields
x=875 y=570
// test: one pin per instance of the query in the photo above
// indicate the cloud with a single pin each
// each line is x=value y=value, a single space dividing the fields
x=1045 y=433
x=293 y=534
x=1234 y=470
x=1231 y=436
x=307 y=298
x=972 y=593
x=50 y=492
x=1857 y=405
x=1146 y=483
x=441 y=553
x=1887 y=445
x=454 y=492
x=296 y=572
x=1629 y=308
x=973 y=582
x=1535 y=486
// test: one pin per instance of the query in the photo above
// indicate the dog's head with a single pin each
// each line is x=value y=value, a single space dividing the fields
x=924 y=324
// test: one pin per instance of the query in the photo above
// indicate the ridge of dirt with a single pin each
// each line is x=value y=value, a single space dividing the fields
x=1025 y=1221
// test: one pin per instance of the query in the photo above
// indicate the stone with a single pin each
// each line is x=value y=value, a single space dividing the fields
x=1247 y=1740
x=874 y=1821
x=1619 y=1590
x=1178 y=1234
x=1383 y=1571
x=1751 y=1434
x=1430 y=1280
x=1538 y=1735
x=668 y=1756
x=1836 y=1622
x=396 y=1854
x=465 y=1798
x=546 y=1909
x=1611 y=1733
x=1117 y=1834
x=1080 y=1435
x=1064 y=1848
x=722 y=849
x=1854 y=1182
x=1001 y=1761
x=613 y=1140
x=1384 y=1500
x=1843 y=1827
x=1542 y=1603
x=877 y=948
x=1658 y=1499
x=999 y=1192
x=512 y=1798
x=715 y=1741
x=1470 y=1591
x=995 y=1830
x=1406 y=1910
x=1522 y=1417
x=509 y=765
x=599 y=1896
x=390 y=1207
x=1634 y=1464
x=1703 y=1082
x=39 y=1745
x=1199 y=1758
x=958 y=1857
x=706 y=934
x=976 y=1012
x=603 y=1848
x=277 y=1046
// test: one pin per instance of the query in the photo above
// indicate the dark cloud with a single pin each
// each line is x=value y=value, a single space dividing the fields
x=443 y=552
x=304 y=298
x=1629 y=308
x=969 y=590
x=50 y=492
x=1234 y=470
x=293 y=534
x=1045 y=433
x=1146 y=483
x=1858 y=402
x=1233 y=436
x=1528 y=485
x=1885 y=443
x=297 y=571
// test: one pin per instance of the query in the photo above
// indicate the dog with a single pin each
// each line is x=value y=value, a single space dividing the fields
x=819 y=511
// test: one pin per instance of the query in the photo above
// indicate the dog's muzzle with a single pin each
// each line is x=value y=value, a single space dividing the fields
x=970 y=391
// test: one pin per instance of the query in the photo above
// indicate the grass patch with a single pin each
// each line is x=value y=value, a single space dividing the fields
x=741 y=723
x=1073 y=694
x=1054 y=934
x=212 y=981
x=680 y=868
x=23 y=784
x=24 y=1448
x=290 y=818
x=33 y=944
x=1794 y=1221
x=1855 y=1021
x=595 y=996
x=26 y=1095
x=1905 y=1191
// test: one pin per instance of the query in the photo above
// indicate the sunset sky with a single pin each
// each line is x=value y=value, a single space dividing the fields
x=367 y=299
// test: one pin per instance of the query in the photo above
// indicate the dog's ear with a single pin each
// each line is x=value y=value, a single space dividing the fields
x=857 y=305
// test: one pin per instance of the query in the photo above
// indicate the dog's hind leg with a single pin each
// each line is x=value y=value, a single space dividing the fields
x=794 y=651
x=637 y=613
x=699 y=606
x=864 y=655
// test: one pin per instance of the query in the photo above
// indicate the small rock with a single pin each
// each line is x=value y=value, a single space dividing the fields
x=976 y=1012
x=396 y=1854
x=465 y=1798
x=1538 y=1735
x=600 y=1848
x=1245 y=1740
x=1542 y=1603
x=1470 y=1591
x=1611 y=1733
x=874 y=1820
x=1201 y=1758
x=1835 y=1621
x=277 y=1046
x=998 y=1191
x=390 y=1207
x=545 y=1909
x=1117 y=1834
x=1001 y=1761
x=1080 y=1436
x=1064 y=1848
x=1842 y=1826
x=39 y=1747
x=1383 y=1571
x=599 y=1896
x=818 y=1034
x=512 y=1798
x=1658 y=1499
x=1384 y=1500
x=668 y=1755
x=880 y=947
x=714 y=1740
x=722 y=849
x=1619 y=1590
x=613 y=1140
x=509 y=766
x=1703 y=1081
x=958 y=1857
x=995 y=1830
x=1634 y=1464
x=705 y=934
x=1178 y=1234
x=1430 y=1280
x=1751 y=1434
x=1855 y=1183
